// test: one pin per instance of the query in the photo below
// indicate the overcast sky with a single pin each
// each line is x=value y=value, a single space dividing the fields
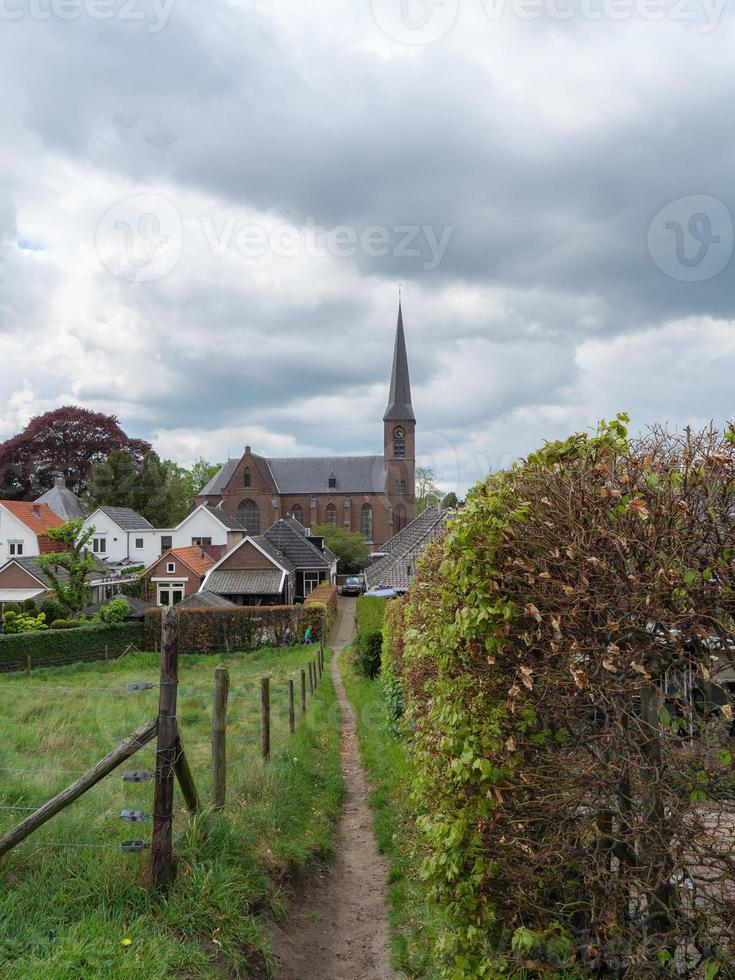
x=206 y=209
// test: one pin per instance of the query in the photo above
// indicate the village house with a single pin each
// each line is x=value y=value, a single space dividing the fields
x=23 y=529
x=122 y=537
x=209 y=526
x=177 y=574
x=21 y=579
x=396 y=565
x=279 y=567
x=62 y=501
x=373 y=495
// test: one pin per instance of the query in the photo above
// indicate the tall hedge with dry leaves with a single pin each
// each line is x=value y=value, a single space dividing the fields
x=562 y=661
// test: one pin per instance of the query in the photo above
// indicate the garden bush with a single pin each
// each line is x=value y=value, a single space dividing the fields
x=67 y=646
x=392 y=660
x=573 y=798
x=239 y=628
x=325 y=595
x=369 y=639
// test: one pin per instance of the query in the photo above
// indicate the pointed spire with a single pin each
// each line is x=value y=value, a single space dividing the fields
x=399 y=400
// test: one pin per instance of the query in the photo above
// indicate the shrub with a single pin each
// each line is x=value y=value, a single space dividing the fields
x=240 y=628
x=115 y=611
x=392 y=660
x=369 y=639
x=51 y=610
x=67 y=646
x=23 y=622
x=12 y=607
x=29 y=605
x=569 y=790
x=326 y=596
x=64 y=624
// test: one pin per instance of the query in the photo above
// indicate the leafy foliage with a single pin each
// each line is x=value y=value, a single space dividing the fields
x=450 y=501
x=428 y=493
x=67 y=644
x=68 y=442
x=369 y=639
x=349 y=547
x=23 y=622
x=68 y=570
x=325 y=597
x=575 y=801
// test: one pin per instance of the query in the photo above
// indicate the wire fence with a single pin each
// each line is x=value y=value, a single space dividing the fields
x=52 y=733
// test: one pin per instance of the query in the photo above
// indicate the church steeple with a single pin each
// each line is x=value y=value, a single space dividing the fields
x=399 y=400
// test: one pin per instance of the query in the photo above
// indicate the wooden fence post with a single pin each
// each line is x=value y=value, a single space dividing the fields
x=316 y=677
x=321 y=654
x=291 y=709
x=311 y=679
x=163 y=869
x=219 y=735
x=303 y=692
x=265 y=713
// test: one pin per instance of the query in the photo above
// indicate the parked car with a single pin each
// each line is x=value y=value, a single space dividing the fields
x=352 y=586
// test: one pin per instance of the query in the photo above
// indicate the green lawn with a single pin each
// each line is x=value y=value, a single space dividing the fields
x=72 y=905
x=389 y=772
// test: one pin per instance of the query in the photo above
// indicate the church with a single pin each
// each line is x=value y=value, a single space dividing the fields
x=372 y=495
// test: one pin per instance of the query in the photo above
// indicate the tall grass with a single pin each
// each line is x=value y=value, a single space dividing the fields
x=72 y=905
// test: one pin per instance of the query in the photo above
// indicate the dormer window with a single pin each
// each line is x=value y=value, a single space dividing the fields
x=332 y=481
x=246 y=477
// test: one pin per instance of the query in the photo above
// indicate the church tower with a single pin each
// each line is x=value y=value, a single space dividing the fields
x=399 y=437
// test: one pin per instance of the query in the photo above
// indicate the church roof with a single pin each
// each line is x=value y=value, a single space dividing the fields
x=399 y=399
x=353 y=474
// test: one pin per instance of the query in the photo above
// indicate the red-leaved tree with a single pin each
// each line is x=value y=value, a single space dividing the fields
x=67 y=442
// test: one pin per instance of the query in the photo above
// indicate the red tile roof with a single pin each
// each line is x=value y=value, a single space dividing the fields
x=37 y=517
x=197 y=560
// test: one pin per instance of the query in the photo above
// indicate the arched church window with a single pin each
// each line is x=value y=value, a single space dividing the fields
x=399 y=448
x=366 y=522
x=246 y=477
x=399 y=518
x=331 y=514
x=400 y=486
x=297 y=513
x=249 y=516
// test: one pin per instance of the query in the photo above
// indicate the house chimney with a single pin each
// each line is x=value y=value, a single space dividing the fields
x=60 y=482
x=36 y=510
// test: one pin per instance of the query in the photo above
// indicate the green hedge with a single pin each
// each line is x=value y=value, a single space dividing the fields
x=369 y=642
x=57 y=647
x=220 y=630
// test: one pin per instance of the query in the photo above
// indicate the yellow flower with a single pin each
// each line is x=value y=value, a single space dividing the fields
x=127 y=942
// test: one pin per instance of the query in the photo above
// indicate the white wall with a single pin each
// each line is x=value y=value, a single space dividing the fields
x=199 y=524
x=122 y=545
x=11 y=529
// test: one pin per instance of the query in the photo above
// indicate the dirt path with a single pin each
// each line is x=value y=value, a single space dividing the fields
x=337 y=927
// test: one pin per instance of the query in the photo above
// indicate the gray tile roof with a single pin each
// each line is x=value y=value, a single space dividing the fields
x=220 y=479
x=102 y=571
x=205 y=600
x=289 y=537
x=354 y=474
x=396 y=570
x=250 y=581
x=273 y=552
x=230 y=522
x=63 y=502
x=127 y=519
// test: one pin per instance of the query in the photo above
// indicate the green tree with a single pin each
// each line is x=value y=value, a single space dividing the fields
x=349 y=547
x=68 y=570
x=428 y=493
x=200 y=474
x=450 y=500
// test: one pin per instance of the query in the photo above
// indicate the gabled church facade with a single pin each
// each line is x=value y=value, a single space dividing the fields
x=373 y=495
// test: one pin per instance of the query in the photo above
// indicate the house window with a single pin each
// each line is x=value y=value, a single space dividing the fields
x=399 y=448
x=399 y=518
x=171 y=568
x=332 y=481
x=99 y=546
x=331 y=514
x=246 y=477
x=297 y=513
x=311 y=580
x=249 y=516
x=139 y=544
x=366 y=522
x=170 y=595
x=15 y=547
x=201 y=541
x=167 y=542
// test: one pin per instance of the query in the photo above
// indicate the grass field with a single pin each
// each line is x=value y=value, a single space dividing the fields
x=388 y=766
x=72 y=905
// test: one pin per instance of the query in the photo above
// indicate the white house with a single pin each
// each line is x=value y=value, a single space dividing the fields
x=23 y=527
x=121 y=536
x=205 y=526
